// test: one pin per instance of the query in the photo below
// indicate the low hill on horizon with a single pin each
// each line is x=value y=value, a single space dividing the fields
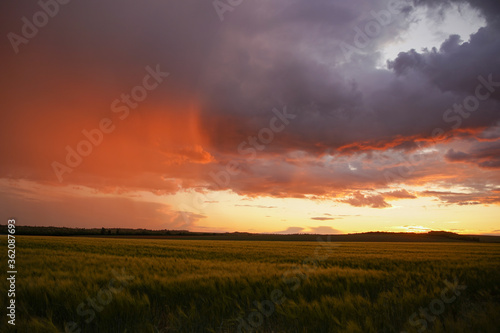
x=372 y=236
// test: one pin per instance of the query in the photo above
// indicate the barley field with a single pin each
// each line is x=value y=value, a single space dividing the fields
x=85 y=284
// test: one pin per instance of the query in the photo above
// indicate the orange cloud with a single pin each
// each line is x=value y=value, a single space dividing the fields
x=399 y=194
x=357 y=199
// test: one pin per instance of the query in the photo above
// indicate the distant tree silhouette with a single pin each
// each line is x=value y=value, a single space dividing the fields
x=103 y=231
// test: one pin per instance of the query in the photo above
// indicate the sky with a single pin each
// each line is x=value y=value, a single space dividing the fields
x=296 y=116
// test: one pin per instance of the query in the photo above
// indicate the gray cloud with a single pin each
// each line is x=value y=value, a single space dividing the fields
x=265 y=55
x=485 y=155
x=323 y=218
x=243 y=67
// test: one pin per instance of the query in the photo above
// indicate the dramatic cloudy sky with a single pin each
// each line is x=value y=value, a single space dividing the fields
x=326 y=116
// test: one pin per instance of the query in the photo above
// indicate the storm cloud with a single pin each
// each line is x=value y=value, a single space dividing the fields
x=363 y=126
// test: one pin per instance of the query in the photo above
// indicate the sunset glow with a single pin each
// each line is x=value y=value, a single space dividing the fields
x=273 y=120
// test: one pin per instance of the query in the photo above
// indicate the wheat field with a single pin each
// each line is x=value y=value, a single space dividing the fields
x=84 y=284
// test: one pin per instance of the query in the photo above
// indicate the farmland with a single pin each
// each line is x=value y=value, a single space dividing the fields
x=92 y=284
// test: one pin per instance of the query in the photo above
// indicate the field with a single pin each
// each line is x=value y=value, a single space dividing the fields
x=164 y=285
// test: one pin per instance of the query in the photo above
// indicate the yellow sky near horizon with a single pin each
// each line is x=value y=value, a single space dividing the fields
x=225 y=211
